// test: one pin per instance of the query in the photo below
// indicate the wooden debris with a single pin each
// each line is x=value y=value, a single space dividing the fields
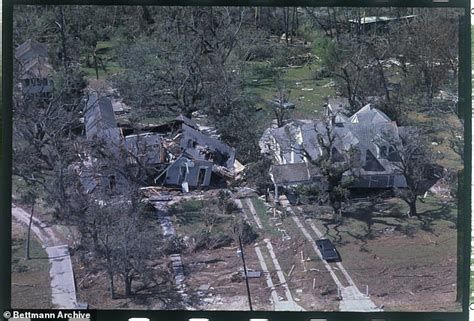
x=291 y=270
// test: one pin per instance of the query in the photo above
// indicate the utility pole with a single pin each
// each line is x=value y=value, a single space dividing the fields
x=245 y=272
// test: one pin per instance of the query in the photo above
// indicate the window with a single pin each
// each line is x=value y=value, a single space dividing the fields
x=383 y=152
x=183 y=171
x=201 y=176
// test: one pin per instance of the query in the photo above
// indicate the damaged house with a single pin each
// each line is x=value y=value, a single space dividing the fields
x=35 y=71
x=175 y=153
x=195 y=158
x=367 y=133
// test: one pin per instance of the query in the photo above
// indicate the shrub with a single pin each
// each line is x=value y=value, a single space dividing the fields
x=321 y=73
x=174 y=245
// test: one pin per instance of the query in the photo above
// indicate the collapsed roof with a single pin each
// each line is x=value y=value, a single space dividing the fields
x=36 y=68
x=168 y=147
x=31 y=49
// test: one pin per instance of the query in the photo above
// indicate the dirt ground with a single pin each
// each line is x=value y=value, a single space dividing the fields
x=405 y=274
x=406 y=269
x=408 y=264
x=215 y=269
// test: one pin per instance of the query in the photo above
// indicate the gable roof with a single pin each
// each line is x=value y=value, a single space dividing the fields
x=369 y=114
x=147 y=146
x=34 y=48
x=36 y=68
x=368 y=130
x=98 y=116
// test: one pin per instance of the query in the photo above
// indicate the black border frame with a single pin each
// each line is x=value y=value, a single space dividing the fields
x=464 y=214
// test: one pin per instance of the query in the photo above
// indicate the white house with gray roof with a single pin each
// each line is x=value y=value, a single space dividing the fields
x=369 y=132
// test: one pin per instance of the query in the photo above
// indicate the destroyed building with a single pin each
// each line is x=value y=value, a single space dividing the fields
x=34 y=69
x=369 y=133
x=175 y=153
x=377 y=24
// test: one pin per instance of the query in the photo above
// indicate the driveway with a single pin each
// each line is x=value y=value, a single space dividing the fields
x=61 y=272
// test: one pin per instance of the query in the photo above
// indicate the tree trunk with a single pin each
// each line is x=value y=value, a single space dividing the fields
x=128 y=285
x=336 y=29
x=412 y=204
x=96 y=66
x=63 y=37
x=329 y=23
x=27 y=255
x=112 y=285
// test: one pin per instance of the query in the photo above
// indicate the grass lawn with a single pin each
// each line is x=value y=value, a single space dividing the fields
x=265 y=219
x=30 y=278
x=189 y=218
x=305 y=92
x=106 y=52
x=440 y=127
x=43 y=207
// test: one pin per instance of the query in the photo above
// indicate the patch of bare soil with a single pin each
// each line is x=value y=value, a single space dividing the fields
x=212 y=277
x=310 y=283
x=406 y=273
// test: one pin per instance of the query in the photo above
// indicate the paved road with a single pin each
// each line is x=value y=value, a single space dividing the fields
x=61 y=272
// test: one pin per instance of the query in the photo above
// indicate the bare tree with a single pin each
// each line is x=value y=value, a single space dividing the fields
x=336 y=168
x=415 y=164
x=279 y=104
